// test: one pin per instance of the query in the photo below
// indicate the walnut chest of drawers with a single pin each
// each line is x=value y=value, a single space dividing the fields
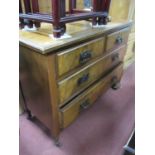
x=61 y=78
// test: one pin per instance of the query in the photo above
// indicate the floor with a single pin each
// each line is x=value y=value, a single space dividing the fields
x=101 y=130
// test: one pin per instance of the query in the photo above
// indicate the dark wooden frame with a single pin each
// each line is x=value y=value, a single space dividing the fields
x=59 y=16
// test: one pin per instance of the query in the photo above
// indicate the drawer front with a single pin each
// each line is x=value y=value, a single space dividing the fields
x=70 y=112
x=75 y=57
x=72 y=85
x=117 y=39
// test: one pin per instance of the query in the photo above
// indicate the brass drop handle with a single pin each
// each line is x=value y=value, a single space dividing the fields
x=83 y=79
x=84 y=105
x=115 y=57
x=119 y=40
x=85 y=56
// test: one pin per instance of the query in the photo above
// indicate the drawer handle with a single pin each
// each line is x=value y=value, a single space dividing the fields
x=84 y=105
x=85 y=56
x=115 y=57
x=119 y=40
x=83 y=79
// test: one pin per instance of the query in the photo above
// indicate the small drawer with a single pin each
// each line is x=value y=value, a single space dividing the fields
x=117 y=39
x=71 y=86
x=71 y=111
x=80 y=55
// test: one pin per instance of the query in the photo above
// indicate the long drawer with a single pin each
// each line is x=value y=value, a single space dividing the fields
x=117 y=39
x=80 y=55
x=71 y=111
x=72 y=85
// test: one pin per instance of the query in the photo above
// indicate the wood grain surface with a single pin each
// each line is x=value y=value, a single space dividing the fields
x=82 y=31
x=70 y=86
x=112 y=41
x=72 y=58
x=70 y=112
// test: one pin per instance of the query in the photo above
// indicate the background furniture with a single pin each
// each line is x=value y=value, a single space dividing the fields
x=59 y=16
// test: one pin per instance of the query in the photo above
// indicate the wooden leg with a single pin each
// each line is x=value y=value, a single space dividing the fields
x=57 y=31
x=63 y=29
x=100 y=21
x=95 y=9
x=103 y=21
x=27 y=5
x=116 y=86
x=106 y=9
x=103 y=6
x=56 y=14
x=107 y=5
x=21 y=24
x=57 y=142
x=35 y=7
x=28 y=23
x=30 y=116
x=37 y=24
x=94 y=21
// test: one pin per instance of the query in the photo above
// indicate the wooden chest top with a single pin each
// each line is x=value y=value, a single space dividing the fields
x=79 y=31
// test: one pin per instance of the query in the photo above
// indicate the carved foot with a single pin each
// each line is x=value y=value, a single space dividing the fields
x=116 y=86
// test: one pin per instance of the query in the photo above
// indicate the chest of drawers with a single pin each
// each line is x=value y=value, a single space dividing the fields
x=61 y=78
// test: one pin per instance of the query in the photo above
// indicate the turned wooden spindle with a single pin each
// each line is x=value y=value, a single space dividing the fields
x=107 y=5
x=104 y=6
x=74 y=4
x=21 y=24
x=35 y=8
x=101 y=20
x=95 y=9
x=62 y=14
x=56 y=18
x=70 y=6
x=27 y=5
x=106 y=9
